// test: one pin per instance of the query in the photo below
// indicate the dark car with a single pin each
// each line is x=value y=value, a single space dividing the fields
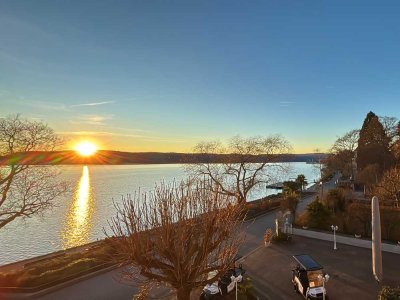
x=308 y=278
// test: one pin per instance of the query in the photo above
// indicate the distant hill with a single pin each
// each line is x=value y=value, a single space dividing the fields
x=106 y=157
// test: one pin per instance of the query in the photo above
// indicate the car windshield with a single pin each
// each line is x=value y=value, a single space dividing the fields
x=315 y=278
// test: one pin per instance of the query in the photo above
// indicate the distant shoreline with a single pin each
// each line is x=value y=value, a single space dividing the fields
x=106 y=157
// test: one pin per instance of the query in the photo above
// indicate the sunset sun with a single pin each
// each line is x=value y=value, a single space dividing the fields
x=86 y=148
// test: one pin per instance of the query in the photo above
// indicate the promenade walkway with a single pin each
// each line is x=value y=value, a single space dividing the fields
x=346 y=240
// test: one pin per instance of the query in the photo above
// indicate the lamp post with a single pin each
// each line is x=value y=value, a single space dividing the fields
x=334 y=228
x=324 y=279
x=233 y=278
x=321 y=186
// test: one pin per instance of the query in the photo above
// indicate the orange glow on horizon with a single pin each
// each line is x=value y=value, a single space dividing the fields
x=86 y=148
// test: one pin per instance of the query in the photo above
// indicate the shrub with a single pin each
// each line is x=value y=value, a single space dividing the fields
x=335 y=200
x=318 y=215
x=8 y=279
x=268 y=236
x=389 y=293
x=282 y=237
x=57 y=268
x=246 y=290
x=31 y=279
x=289 y=202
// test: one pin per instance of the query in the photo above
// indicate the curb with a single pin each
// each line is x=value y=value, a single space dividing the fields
x=250 y=253
x=261 y=215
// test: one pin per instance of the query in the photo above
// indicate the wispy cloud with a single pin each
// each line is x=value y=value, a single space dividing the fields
x=98 y=120
x=118 y=134
x=286 y=103
x=93 y=103
x=99 y=133
x=129 y=129
x=44 y=105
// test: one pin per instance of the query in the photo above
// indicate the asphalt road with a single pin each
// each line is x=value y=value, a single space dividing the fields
x=349 y=269
x=109 y=286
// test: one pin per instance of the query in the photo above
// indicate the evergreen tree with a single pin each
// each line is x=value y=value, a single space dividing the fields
x=373 y=144
x=318 y=215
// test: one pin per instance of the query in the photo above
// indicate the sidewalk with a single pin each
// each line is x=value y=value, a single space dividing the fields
x=347 y=240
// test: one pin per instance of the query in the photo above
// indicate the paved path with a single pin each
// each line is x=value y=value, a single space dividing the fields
x=107 y=286
x=345 y=239
x=302 y=205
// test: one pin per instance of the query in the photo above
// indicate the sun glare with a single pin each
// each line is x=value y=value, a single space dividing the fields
x=86 y=148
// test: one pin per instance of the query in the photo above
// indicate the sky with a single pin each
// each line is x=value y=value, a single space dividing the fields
x=165 y=75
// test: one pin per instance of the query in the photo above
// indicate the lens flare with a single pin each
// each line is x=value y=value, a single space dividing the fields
x=86 y=148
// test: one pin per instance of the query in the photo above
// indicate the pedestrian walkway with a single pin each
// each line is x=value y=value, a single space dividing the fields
x=347 y=240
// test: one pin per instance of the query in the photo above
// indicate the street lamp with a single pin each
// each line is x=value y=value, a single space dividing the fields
x=324 y=279
x=321 y=186
x=236 y=279
x=334 y=228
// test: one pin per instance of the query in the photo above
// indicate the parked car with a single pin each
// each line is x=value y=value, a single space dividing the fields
x=224 y=285
x=308 y=277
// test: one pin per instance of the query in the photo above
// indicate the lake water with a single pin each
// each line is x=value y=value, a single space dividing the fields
x=80 y=216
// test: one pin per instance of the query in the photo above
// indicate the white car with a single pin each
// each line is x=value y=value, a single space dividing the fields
x=223 y=285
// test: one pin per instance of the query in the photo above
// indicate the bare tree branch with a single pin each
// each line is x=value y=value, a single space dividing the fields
x=246 y=163
x=26 y=190
x=177 y=235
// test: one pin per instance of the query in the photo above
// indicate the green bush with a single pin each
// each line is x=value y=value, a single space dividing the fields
x=389 y=293
x=246 y=290
x=282 y=237
x=318 y=215
x=289 y=202
x=336 y=200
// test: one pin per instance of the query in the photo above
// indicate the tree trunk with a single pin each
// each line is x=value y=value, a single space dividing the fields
x=241 y=200
x=183 y=294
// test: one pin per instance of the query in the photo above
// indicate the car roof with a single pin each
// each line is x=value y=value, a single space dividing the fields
x=307 y=262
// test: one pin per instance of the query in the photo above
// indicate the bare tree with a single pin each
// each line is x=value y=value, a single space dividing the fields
x=244 y=164
x=390 y=221
x=177 y=235
x=362 y=214
x=388 y=189
x=342 y=153
x=26 y=190
x=390 y=125
x=347 y=142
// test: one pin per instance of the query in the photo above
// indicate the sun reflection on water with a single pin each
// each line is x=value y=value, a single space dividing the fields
x=78 y=220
